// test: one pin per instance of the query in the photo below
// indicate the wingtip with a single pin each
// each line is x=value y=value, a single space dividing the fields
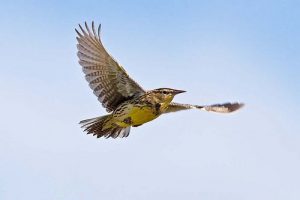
x=86 y=27
x=236 y=106
x=240 y=104
x=99 y=30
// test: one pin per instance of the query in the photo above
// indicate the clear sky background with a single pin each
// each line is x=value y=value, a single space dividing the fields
x=218 y=51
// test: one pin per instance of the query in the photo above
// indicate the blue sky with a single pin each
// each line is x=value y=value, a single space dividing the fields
x=218 y=51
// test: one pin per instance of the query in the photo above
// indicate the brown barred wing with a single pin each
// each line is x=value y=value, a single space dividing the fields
x=108 y=80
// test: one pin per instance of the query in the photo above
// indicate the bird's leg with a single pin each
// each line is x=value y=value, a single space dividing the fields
x=137 y=125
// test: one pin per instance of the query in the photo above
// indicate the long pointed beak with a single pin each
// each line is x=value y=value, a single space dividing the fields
x=178 y=91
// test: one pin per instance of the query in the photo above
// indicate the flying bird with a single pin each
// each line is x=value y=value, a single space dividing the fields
x=128 y=104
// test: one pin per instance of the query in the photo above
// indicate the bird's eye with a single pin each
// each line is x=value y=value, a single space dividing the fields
x=165 y=92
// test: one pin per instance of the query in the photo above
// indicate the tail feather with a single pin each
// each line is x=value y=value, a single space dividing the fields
x=101 y=127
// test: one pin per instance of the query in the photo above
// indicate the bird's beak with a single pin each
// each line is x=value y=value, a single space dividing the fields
x=178 y=91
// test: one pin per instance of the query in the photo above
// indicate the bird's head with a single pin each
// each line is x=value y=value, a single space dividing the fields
x=166 y=94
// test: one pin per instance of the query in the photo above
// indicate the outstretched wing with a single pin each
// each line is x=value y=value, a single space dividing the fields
x=220 y=108
x=109 y=81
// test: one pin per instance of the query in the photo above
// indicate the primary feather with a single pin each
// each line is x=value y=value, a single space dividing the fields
x=109 y=81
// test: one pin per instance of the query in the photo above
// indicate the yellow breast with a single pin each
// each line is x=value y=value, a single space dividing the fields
x=141 y=115
x=133 y=116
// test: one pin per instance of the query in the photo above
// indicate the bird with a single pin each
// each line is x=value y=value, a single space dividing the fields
x=127 y=103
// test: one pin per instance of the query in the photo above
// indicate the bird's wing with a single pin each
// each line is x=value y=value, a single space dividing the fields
x=220 y=108
x=109 y=81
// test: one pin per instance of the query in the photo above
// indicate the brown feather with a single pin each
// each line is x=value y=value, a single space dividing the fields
x=110 y=82
x=219 y=108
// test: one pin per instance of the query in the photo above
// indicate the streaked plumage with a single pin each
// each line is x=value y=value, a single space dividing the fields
x=129 y=104
x=109 y=81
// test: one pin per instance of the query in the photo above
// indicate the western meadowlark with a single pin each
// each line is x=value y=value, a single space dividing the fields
x=127 y=102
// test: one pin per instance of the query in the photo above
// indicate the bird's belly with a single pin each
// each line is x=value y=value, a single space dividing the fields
x=134 y=116
x=142 y=115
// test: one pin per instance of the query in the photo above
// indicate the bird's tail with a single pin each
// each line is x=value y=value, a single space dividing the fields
x=104 y=127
